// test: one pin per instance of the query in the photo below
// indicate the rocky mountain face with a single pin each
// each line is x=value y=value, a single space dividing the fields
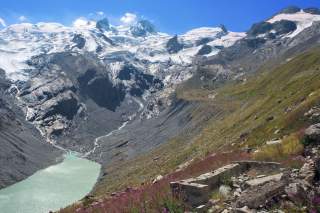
x=82 y=82
x=277 y=39
x=22 y=149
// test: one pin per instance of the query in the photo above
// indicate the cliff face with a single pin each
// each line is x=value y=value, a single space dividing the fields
x=23 y=150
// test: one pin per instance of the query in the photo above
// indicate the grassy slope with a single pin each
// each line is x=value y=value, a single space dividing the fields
x=285 y=93
x=243 y=108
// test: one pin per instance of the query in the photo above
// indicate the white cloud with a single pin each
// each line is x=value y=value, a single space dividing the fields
x=22 y=18
x=100 y=13
x=2 y=22
x=83 y=22
x=128 y=18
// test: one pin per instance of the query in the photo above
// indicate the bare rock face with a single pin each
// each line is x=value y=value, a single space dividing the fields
x=64 y=90
x=173 y=45
x=249 y=53
x=23 y=150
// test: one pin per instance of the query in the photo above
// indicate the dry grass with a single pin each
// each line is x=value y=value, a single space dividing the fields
x=290 y=146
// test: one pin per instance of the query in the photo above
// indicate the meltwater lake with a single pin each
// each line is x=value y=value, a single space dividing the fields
x=52 y=188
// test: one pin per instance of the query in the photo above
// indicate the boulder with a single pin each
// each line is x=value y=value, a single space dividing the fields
x=158 y=178
x=263 y=180
x=312 y=134
x=256 y=196
x=308 y=171
x=313 y=114
x=193 y=194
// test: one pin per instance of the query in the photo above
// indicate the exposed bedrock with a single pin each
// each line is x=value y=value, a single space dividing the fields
x=23 y=151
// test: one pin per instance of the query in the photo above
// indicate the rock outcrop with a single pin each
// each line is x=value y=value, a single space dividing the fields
x=312 y=134
x=173 y=45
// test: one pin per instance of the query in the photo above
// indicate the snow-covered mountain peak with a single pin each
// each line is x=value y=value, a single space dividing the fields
x=142 y=28
x=302 y=19
x=20 y=42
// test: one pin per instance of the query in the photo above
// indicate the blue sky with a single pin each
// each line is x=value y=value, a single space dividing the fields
x=171 y=16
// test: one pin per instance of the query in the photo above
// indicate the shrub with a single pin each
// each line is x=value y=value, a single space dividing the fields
x=216 y=195
x=172 y=205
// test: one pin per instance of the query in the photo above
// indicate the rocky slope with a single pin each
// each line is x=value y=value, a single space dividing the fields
x=274 y=41
x=23 y=150
x=71 y=78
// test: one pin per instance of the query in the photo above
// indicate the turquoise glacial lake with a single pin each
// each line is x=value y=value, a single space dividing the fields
x=52 y=188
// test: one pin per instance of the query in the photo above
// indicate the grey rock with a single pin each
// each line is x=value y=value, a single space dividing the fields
x=284 y=26
x=290 y=10
x=263 y=180
x=260 y=28
x=256 y=196
x=103 y=24
x=312 y=10
x=192 y=193
x=142 y=28
x=79 y=41
x=308 y=172
x=205 y=49
x=313 y=114
x=244 y=209
x=23 y=150
x=296 y=192
x=312 y=134
x=173 y=45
